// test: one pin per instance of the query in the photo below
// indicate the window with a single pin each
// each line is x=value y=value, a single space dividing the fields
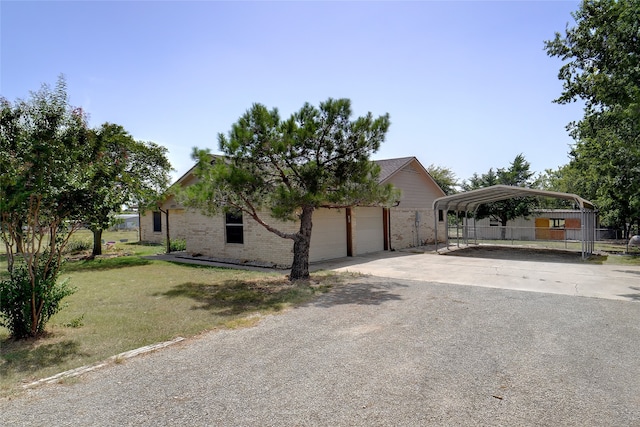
x=234 y=228
x=157 y=221
x=556 y=223
x=494 y=223
x=440 y=215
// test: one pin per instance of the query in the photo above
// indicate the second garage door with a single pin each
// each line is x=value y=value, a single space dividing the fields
x=369 y=230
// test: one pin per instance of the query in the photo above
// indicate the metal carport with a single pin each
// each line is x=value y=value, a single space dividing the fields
x=470 y=200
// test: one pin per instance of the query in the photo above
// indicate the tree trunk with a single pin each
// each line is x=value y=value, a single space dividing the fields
x=503 y=228
x=19 y=239
x=301 y=244
x=97 y=242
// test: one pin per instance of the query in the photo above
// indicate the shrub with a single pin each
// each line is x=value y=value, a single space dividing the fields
x=178 y=245
x=25 y=309
x=75 y=246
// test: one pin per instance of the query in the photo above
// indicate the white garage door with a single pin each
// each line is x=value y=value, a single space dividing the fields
x=329 y=235
x=369 y=230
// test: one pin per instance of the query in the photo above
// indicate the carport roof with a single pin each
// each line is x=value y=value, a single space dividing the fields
x=470 y=200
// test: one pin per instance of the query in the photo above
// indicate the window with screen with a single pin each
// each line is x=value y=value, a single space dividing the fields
x=234 y=228
x=157 y=221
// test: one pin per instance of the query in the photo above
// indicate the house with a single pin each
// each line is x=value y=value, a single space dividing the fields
x=336 y=233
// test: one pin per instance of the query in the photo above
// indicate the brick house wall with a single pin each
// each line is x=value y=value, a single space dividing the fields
x=177 y=226
x=206 y=237
x=411 y=224
x=412 y=221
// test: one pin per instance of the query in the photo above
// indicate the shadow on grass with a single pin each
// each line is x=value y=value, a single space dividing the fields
x=26 y=356
x=233 y=297
x=104 y=264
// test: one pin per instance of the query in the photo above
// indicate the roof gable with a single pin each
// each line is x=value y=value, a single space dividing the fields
x=390 y=167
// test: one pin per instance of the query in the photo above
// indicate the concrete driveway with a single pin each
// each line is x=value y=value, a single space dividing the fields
x=555 y=277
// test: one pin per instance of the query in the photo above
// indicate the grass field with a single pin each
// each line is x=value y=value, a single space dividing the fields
x=126 y=302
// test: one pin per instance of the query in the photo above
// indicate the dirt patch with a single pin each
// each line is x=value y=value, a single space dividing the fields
x=525 y=254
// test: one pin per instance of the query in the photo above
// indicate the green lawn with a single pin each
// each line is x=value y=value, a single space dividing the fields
x=125 y=242
x=128 y=302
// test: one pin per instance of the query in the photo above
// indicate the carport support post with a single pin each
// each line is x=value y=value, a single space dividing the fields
x=435 y=226
x=457 y=228
x=583 y=229
x=446 y=227
x=475 y=231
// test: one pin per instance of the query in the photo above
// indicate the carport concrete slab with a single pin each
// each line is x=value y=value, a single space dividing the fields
x=581 y=279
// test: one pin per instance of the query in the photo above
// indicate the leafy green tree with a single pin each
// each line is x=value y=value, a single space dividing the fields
x=121 y=170
x=42 y=157
x=602 y=68
x=445 y=178
x=565 y=179
x=286 y=169
x=518 y=174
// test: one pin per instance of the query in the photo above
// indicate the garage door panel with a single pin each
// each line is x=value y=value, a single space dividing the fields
x=369 y=230
x=329 y=235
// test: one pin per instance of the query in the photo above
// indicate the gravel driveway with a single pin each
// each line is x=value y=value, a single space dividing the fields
x=374 y=353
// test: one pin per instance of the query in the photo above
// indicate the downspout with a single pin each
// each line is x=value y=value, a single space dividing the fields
x=166 y=214
x=417 y=225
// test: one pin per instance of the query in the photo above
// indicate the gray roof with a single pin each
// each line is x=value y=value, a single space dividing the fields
x=389 y=167
x=470 y=200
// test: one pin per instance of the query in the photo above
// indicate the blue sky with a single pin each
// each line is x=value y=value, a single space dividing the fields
x=467 y=84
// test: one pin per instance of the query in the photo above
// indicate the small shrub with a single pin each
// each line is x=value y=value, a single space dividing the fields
x=75 y=323
x=25 y=305
x=75 y=246
x=178 y=245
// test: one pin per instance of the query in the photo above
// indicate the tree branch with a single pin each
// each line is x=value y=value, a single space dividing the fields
x=250 y=209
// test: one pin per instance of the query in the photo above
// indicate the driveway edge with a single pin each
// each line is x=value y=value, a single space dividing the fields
x=72 y=373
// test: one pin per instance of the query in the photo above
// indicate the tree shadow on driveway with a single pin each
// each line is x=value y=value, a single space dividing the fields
x=635 y=296
x=236 y=297
x=362 y=291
